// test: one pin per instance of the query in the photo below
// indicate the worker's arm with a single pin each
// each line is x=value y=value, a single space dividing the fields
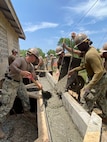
x=37 y=83
x=71 y=72
x=71 y=50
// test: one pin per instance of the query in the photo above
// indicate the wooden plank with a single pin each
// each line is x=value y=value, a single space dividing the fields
x=93 y=132
x=42 y=125
x=34 y=94
x=41 y=70
x=73 y=94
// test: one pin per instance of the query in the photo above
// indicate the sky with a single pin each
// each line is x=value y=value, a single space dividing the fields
x=44 y=22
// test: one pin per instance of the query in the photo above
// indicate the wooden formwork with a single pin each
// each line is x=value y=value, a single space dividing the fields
x=89 y=126
x=43 y=133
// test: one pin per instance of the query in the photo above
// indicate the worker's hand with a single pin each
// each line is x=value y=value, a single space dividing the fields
x=64 y=45
x=30 y=77
x=36 y=67
x=39 y=85
x=25 y=73
x=84 y=92
x=70 y=73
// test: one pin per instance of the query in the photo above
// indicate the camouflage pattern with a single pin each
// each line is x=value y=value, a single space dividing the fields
x=97 y=95
x=9 y=93
x=22 y=94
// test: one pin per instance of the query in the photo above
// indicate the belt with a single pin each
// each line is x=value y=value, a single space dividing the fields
x=12 y=79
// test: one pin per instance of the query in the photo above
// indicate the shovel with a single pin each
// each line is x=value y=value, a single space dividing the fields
x=45 y=94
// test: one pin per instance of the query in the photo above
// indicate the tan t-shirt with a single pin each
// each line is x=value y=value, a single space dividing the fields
x=11 y=58
x=93 y=65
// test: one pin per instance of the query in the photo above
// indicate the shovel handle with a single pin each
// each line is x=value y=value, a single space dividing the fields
x=37 y=83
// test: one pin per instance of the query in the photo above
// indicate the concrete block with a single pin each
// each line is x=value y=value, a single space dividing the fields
x=93 y=132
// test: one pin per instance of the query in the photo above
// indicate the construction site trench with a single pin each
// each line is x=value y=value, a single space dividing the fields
x=66 y=120
x=20 y=127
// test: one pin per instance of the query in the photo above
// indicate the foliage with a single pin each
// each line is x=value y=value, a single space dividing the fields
x=51 y=52
x=65 y=40
x=23 y=53
x=41 y=52
x=61 y=40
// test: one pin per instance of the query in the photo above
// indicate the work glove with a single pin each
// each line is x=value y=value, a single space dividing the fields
x=84 y=93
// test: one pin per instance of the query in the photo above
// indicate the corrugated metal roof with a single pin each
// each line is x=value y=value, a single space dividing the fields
x=7 y=9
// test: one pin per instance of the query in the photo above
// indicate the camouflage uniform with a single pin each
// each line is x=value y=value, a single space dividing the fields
x=95 y=90
x=13 y=86
x=98 y=95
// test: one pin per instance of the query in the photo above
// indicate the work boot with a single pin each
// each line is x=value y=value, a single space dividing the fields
x=2 y=134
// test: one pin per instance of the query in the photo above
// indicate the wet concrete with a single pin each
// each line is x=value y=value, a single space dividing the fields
x=61 y=127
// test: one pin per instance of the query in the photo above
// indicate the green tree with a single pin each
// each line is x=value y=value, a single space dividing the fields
x=41 y=53
x=51 y=52
x=65 y=40
x=23 y=53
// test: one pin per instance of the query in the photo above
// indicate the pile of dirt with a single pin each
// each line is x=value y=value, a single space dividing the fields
x=20 y=128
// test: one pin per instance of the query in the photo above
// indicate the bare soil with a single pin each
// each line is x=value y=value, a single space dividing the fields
x=20 y=128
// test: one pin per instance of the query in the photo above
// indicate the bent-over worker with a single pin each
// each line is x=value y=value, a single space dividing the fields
x=13 y=85
x=95 y=90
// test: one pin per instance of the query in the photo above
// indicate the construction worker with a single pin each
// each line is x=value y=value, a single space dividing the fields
x=13 y=85
x=71 y=49
x=46 y=62
x=104 y=54
x=60 y=53
x=73 y=35
x=12 y=57
x=95 y=90
x=40 y=65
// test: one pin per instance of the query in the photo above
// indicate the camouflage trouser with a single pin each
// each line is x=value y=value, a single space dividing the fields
x=10 y=90
x=98 y=95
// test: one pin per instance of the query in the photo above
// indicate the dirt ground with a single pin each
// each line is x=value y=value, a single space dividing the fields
x=20 y=128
